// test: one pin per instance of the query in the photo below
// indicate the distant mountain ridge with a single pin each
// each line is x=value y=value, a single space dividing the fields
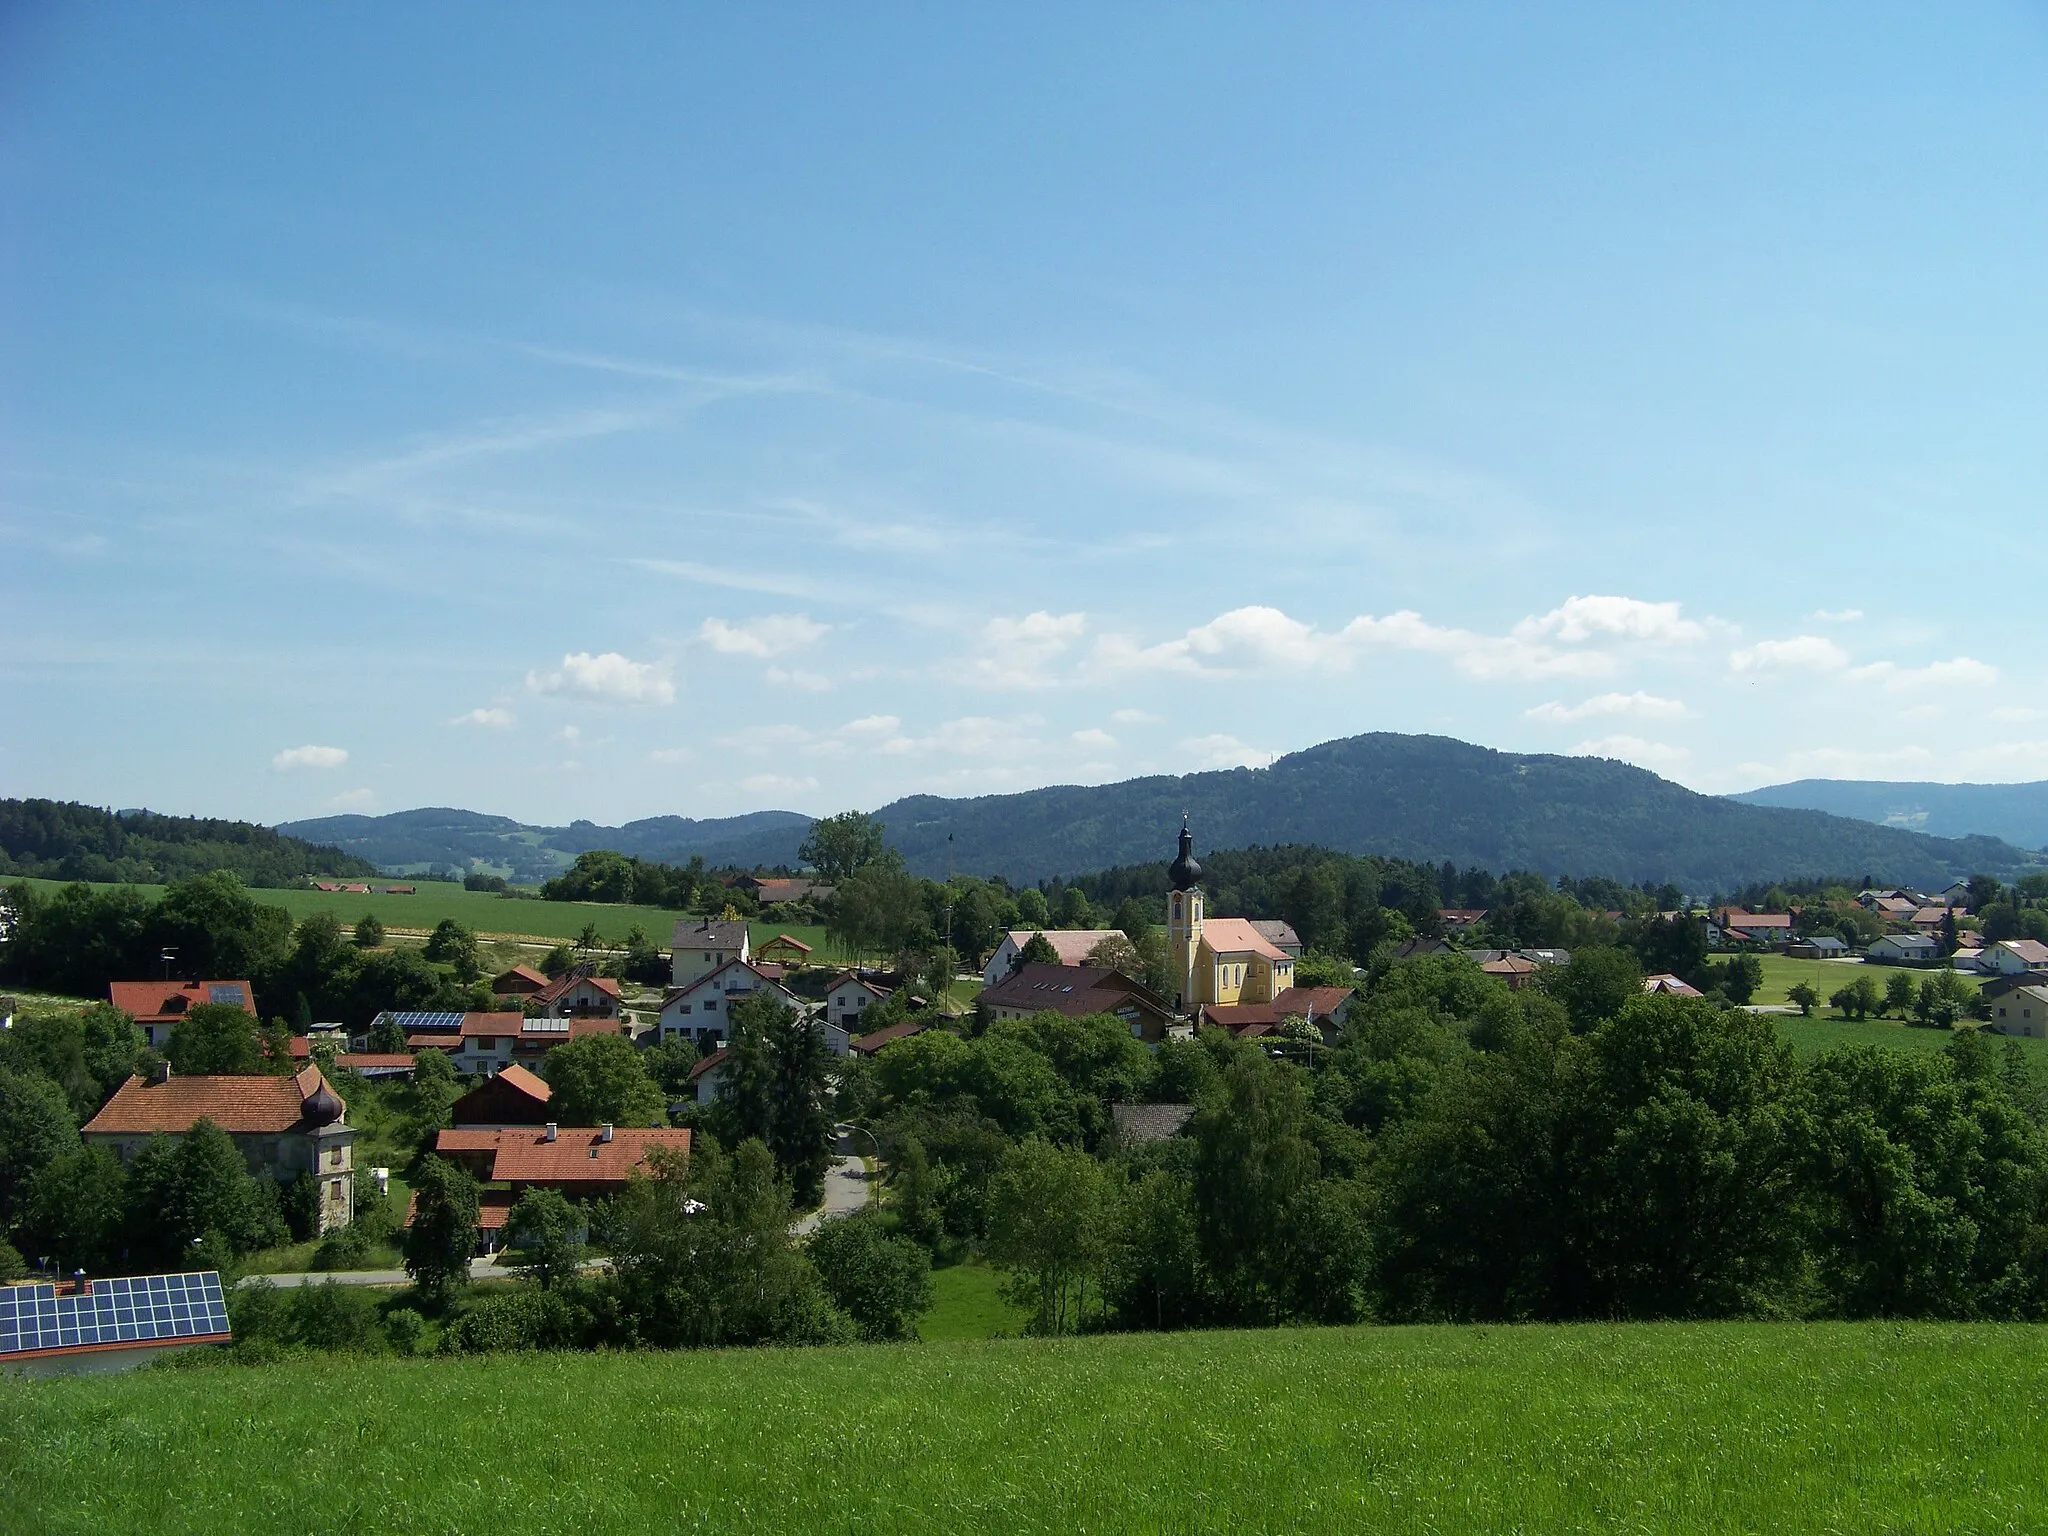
x=1426 y=798
x=2015 y=813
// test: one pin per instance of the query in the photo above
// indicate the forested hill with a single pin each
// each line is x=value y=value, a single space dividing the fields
x=1431 y=799
x=60 y=840
x=2017 y=813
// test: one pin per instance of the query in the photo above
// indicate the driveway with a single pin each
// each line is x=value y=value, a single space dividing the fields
x=846 y=1191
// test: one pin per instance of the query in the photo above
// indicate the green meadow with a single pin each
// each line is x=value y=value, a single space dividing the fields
x=1667 y=1428
x=490 y=915
x=1827 y=977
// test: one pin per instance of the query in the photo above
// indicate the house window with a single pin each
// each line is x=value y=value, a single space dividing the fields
x=711 y=1005
x=682 y=1007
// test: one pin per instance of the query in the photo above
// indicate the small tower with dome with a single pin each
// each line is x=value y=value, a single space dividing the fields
x=1184 y=918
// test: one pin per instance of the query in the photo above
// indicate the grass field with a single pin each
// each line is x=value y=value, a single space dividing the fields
x=491 y=915
x=967 y=1303
x=1632 y=1428
x=1826 y=976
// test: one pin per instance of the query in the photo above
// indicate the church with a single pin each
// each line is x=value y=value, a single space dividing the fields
x=1219 y=960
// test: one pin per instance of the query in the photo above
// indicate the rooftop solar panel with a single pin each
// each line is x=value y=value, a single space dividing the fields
x=224 y=993
x=411 y=1021
x=137 y=1309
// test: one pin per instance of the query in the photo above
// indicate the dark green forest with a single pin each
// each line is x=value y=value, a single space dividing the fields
x=61 y=840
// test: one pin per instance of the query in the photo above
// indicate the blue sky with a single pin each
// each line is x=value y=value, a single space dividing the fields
x=620 y=412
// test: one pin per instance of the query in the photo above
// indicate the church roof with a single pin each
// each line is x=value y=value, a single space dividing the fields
x=1239 y=936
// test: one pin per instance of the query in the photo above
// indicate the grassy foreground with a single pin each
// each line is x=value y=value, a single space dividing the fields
x=1657 y=1428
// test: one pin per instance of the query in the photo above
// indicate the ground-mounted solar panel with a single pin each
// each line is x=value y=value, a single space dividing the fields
x=131 y=1309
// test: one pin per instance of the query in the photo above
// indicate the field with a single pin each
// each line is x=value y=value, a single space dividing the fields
x=1639 y=1428
x=491 y=915
x=1828 y=977
x=968 y=1304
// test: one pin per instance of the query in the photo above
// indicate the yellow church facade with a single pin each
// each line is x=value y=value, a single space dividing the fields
x=1219 y=959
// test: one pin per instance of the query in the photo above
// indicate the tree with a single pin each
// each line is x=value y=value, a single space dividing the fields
x=1320 y=968
x=432 y=1092
x=550 y=1229
x=876 y=909
x=453 y=945
x=1802 y=996
x=588 y=940
x=837 y=846
x=774 y=1090
x=1858 y=1000
x=1942 y=1000
x=1036 y=950
x=74 y=1210
x=193 y=1195
x=1899 y=992
x=216 y=1040
x=600 y=1080
x=1049 y=1229
x=1031 y=908
x=387 y=1035
x=883 y=1283
x=36 y=1129
x=1253 y=1159
x=1117 y=952
x=369 y=931
x=1595 y=986
x=442 y=1237
x=218 y=929
x=1739 y=978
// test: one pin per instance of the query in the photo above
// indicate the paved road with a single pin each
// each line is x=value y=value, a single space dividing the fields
x=479 y=1269
x=846 y=1191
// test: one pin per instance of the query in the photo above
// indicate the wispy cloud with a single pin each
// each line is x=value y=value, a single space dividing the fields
x=1962 y=672
x=492 y=716
x=1836 y=616
x=1640 y=705
x=1225 y=751
x=1654 y=755
x=1801 y=653
x=354 y=800
x=1021 y=652
x=771 y=634
x=309 y=757
x=608 y=676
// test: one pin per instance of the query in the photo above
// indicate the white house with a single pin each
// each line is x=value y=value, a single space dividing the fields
x=708 y=1075
x=2022 y=1011
x=701 y=945
x=699 y=1008
x=850 y=997
x=2014 y=957
x=1072 y=945
x=1895 y=947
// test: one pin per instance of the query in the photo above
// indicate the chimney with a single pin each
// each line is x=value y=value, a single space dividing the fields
x=162 y=1074
x=551 y=1132
x=605 y=1134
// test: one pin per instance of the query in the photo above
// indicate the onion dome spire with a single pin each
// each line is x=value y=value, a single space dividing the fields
x=322 y=1106
x=1184 y=871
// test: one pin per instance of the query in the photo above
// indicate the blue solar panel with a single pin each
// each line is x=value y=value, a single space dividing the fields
x=227 y=993
x=410 y=1021
x=136 y=1309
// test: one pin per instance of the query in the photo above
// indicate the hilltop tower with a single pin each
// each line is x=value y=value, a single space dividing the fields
x=1184 y=916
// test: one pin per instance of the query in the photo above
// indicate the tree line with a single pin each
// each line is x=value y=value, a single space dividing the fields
x=61 y=840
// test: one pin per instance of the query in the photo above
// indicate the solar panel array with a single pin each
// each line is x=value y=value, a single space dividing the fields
x=412 y=1021
x=225 y=993
x=138 y=1309
x=545 y=1027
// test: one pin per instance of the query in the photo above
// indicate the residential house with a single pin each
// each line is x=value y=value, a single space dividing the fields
x=1282 y=935
x=520 y=981
x=80 y=1326
x=1969 y=958
x=287 y=1127
x=699 y=1009
x=1670 y=986
x=1819 y=946
x=1416 y=949
x=2022 y=1011
x=2012 y=957
x=1956 y=894
x=1459 y=919
x=1323 y=1007
x=700 y=945
x=707 y=1077
x=1903 y=948
x=1079 y=991
x=871 y=1042
x=362 y=1063
x=1732 y=925
x=585 y=1162
x=488 y=1042
x=1515 y=971
x=512 y=1096
x=1072 y=945
x=579 y=994
x=1930 y=918
x=156 y=1006
x=851 y=995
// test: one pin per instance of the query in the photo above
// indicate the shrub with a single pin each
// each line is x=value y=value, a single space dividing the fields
x=883 y=1283
x=525 y=1317
x=344 y=1248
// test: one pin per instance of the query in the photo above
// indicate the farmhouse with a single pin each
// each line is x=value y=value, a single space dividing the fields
x=1732 y=925
x=701 y=945
x=1670 y=986
x=773 y=890
x=2022 y=1011
x=1821 y=946
x=698 y=1010
x=707 y=1077
x=580 y=994
x=520 y=981
x=1459 y=919
x=287 y=1127
x=582 y=1162
x=1079 y=991
x=1072 y=945
x=362 y=1063
x=489 y=1042
x=158 y=1005
x=513 y=1096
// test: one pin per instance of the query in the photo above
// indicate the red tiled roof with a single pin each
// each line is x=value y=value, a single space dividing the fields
x=1238 y=936
x=1667 y=983
x=534 y=1087
x=1510 y=965
x=526 y=975
x=1074 y=990
x=1072 y=945
x=875 y=1039
x=709 y=1063
x=357 y=1061
x=492 y=1207
x=162 y=1002
x=793 y=943
x=577 y=1155
x=564 y=984
x=235 y=1104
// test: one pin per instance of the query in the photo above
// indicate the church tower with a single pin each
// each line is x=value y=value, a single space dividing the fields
x=1184 y=920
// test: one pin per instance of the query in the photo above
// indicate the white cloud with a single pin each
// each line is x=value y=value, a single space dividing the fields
x=1802 y=653
x=609 y=676
x=1643 y=706
x=1629 y=618
x=1962 y=672
x=671 y=755
x=1093 y=737
x=497 y=719
x=763 y=738
x=309 y=757
x=1221 y=751
x=775 y=783
x=1020 y=653
x=572 y=734
x=2017 y=714
x=772 y=634
x=1923 y=712
x=1136 y=717
x=809 y=682
x=1633 y=749
x=354 y=800
x=872 y=725
x=1838 y=616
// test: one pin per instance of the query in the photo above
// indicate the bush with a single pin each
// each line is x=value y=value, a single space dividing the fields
x=324 y=1317
x=883 y=1283
x=344 y=1248
x=403 y=1330
x=525 y=1317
